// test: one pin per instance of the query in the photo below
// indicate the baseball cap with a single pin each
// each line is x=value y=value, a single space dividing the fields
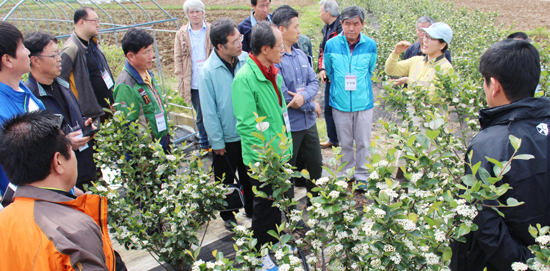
x=440 y=30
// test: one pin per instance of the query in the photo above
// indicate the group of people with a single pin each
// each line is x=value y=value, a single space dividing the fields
x=230 y=73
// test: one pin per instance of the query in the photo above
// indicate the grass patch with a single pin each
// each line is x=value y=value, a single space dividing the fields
x=322 y=129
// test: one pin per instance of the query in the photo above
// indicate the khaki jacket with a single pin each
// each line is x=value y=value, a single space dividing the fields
x=182 y=59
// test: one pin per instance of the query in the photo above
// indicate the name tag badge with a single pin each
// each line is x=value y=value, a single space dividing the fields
x=351 y=82
x=161 y=122
x=81 y=135
x=287 y=121
x=107 y=79
x=200 y=63
x=300 y=90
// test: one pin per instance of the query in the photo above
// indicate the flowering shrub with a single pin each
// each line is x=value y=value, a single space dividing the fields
x=166 y=196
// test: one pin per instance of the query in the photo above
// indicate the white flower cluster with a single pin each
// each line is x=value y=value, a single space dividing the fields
x=431 y=258
x=379 y=213
x=374 y=175
x=423 y=194
x=341 y=235
x=367 y=228
x=362 y=249
x=348 y=217
x=322 y=181
x=440 y=236
x=409 y=244
x=252 y=260
x=375 y=263
x=466 y=210
x=517 y=266
x=543 y=240
x=396 y=258
x=318 y=209
x=407 y=224
x=334 y=194
x=416 y=176
x=389 y=248
x=382 y=163
x=295 y=216
x=289 y=171
x=241 y=229
x=239 y=242
x=540 y=267
x=342 y=184
x=279 y=254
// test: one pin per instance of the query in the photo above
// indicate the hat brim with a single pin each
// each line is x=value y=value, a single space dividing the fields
x=434 y=35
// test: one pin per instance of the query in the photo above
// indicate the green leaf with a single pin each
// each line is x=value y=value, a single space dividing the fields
x=413 y=217
x=498 y=212
x=196 y=253
x=432 y=134
x=463 y=230
x=273 y=233
x=516 y=142
x=396 y=205
x=484 y=175
x=524 y=157
x=259 y=136
x=411 y=140
x=494 y=161
x=285 y=238
x=475 y=168
x=468 y=180
x=429 y=221
x=533 y=231
x=447 y=254
x=512 y=202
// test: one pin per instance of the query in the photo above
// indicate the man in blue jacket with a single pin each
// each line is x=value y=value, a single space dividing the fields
x=300 y=86
x=350 y=59
x=260 y=13
x=15 y=97
x=220 y=123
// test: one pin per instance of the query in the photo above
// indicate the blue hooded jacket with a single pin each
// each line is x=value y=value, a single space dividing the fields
x=13 y=103
x=339 y=63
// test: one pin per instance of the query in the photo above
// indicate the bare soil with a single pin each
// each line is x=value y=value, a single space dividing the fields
x=519 y=14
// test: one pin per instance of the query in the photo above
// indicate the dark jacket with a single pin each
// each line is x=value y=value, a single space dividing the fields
x=501 y=241
x=75 y=71
x=329 y=31
x=86 y=165
x=414 y=50
x=245 y=28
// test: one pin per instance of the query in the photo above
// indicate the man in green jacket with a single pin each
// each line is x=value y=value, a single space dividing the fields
x=136 y=86
x=257 y=89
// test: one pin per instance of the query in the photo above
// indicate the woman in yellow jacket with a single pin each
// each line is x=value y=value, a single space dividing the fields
x=421 y=69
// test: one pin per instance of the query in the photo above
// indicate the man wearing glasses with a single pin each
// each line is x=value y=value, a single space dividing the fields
x=85 y=66
x=56 y=96
x=257 y=89
x=260 y=13
x=217 y=109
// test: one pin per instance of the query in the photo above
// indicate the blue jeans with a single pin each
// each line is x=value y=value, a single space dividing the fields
x=331 y=127
x=196 y=101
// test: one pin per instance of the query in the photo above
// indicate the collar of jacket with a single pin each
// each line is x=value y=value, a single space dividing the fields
x=79 y=43
x=257 y=70
x=41 y=92
x=437 y=59
x=521 y=109
x=334 y=24
x=134 y=73
x=216 y=61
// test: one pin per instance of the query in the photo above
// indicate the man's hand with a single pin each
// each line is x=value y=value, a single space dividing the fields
x=297 y=100
x=317 y=109
x=220 y=151
x=89 y=122
x=76 y=142
x=323 y=75
x=400 y=81
x=401 y=47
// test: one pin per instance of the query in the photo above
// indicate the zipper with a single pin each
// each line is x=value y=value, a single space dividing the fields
x=113 y=256
x=351 y=92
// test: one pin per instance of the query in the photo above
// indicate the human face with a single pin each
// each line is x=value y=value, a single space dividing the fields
x=261 y=9
x=325 y=15
x=431 y=46
x=234 y=45
x=275 y=54
x=292 y=33
x=420 y=32
x=91 y=23
x=195 y=16
x=143 y=59
x=49 y=61
x=352 y=28
x=21 y=64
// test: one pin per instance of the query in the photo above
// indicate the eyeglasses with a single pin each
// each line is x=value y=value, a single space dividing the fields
x=94 y=20
x=281 y=47
x=56 y=54
x=238 y=40
x=427 y=37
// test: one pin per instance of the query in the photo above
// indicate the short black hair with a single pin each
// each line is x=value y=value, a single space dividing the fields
x=220 y=30
x=515 y=64
x=255 y=2
x=135 y=39
x=518 y=35
x=28 y=143
x=352 y=12
x=36 y=41
x=283 y=15
x=81 y=13
x=262 y=34
x=10 y=37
